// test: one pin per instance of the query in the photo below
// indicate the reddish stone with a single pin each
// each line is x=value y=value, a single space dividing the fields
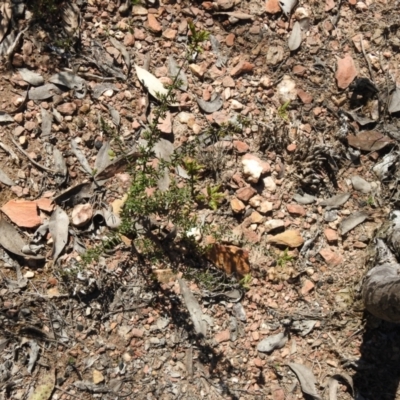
x=222 y=336
x=346 y=71
x=45 y=204
x=154 y=25
x=331 y=235
x=129 y=40
x=245 y=193
x=170 y=34
x=241 y=147
x=23 y=213
x=241 y=68
x=138 y=333
x=331 y=258
x=237 y=206
x=307 y=287
x=299 y=70
x=305 y=97
x=272 y=6
x=230 y=40
x=296 y=209
x=291 y=147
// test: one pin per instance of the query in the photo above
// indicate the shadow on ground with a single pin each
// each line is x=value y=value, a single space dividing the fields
x=378 y=372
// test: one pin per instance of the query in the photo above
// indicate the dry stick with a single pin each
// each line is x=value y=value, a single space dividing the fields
x=367 y=60
x=10 y=152
x=42 y=167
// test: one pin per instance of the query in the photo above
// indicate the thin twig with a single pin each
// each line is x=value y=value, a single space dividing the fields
x=42 y=167
x=367 y=60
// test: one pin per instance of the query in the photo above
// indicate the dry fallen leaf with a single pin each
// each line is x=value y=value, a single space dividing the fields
x=369 y=141
x=287 y=238
x=58 y=227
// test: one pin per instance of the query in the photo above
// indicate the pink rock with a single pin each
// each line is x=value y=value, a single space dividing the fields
x=245 y=193
x=331 y=258
x=23 y=213
x=241 y=147
x=67 y=108
x=222 y=336
x=228 y=82
x=170 y=34
x=137 y=333
x=45 y=204
x=230 y=40
x=237 y=206
x=305 y=97
x=272 y=6
x=154 y=25
x=30 y=126
x=296 y=209
x=82 y=214
x=331 y=235
x=329 y=5
x=129 y=40
x=307 y=287
x=241 y=68
x=346 y=71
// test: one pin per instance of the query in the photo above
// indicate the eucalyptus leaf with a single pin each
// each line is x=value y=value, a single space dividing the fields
x=58 y=227
x=306 y=378
x=352 y=221
x=273 y=342
x=31 y=77
x=295 y=37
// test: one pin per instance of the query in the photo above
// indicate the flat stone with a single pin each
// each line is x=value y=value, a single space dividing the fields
x=129 y=40
x=98 y=377
x=137 y=333
x=154 y=25
x=222 y=336
x=305 y=97
x=45 y=204
x=139 y=10
x=230 y=40
x=67 y=108
x=256 y=218
x=269 y=184
x=82 y=214
x=331 y=258
x=346 y=71
x=228 y=82
x=273 y=224
x=30 y=126
x=331 y=235
x=245 y=193
x=237 y=206
x=241 y=147
x=307 y=287
x=170 y=34
x=272 y=7
x=241 y=68
x=265 y=207
x=22 y=213
x=296 y=209
x=290 y=238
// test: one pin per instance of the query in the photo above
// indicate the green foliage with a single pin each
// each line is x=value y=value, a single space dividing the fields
x=44 y=9
x=284 y=258
x=213 y=198
x=245 y=281
x=196 y=38
x=282 y=111
x=371 y=201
